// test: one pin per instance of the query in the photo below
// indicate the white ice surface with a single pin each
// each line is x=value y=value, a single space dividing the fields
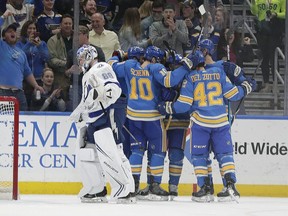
x=66 y=205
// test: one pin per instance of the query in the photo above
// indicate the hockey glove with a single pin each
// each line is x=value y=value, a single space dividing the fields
x=165 y=108
x=168 y=94
x=122 y=56
x=249 y=85
x=170 y=55
x=187 y=63
x=233 y=71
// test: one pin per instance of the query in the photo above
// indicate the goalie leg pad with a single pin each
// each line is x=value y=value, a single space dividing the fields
x=126 y=167
x=112 y=163
x=91 y=172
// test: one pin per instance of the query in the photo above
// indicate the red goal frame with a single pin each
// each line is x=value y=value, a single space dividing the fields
x=16 y=143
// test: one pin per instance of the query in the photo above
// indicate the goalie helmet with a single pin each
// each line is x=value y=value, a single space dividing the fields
x=197 y=58
x=154 y=52
x=207 y=44
x=135 y=52
x=85 y=55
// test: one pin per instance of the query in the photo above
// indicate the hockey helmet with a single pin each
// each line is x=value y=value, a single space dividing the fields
x=196 y=58
x=207 y=44
x=135 y=52
x=154 y=52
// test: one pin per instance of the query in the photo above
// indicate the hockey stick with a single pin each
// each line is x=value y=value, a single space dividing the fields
x=242 y=99
x=202 y=11
x=172 y=53
x=228 y=35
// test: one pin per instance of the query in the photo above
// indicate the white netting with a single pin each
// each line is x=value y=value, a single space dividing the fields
x=6 y=148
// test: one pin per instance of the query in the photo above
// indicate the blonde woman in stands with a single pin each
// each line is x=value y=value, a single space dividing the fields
x=130 y=33
x=220 y=19
x=52 y=98
x=145 y=9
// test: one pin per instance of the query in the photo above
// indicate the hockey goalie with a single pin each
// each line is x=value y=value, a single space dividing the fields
x=99 y=149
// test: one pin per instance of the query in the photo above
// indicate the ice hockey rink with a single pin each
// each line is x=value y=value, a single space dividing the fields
x=54 y=205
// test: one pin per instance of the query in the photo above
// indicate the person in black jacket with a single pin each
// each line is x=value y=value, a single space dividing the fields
x=238 y=53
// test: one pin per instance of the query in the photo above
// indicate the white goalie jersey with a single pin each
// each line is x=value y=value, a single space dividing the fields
x=100 y=89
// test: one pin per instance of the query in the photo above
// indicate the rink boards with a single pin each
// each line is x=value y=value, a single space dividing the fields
x=48 y=165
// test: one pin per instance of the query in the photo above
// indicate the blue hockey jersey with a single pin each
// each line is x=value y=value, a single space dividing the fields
x=203 y=93
x=229 y=69
x=144 y=86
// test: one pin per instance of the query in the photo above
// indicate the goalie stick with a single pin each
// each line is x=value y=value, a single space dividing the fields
x=105 y=113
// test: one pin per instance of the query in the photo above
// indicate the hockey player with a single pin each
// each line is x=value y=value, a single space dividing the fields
x=237 y=77
x=136 y=53
x=177 y=126
x=145 y=122
x=202 y=92
x=98 y=150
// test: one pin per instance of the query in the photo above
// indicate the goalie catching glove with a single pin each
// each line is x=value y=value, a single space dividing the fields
x=165 y=108
x=122 y=56
x=249 y=85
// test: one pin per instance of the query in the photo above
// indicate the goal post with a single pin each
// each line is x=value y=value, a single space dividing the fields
x=9 y=131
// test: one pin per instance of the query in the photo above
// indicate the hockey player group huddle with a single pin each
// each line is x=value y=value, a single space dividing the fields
x=155 y=97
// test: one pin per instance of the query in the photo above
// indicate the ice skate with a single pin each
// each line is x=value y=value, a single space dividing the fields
x=173 y=191
x=205 y=194
x=129 y=199
x=143 y=194
x=229 y=193
x=95 y=198
x=156 y=193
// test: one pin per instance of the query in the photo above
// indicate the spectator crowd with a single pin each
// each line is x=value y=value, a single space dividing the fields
x=44 y=39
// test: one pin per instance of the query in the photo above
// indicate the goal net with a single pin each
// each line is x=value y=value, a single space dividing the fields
x=9 y=121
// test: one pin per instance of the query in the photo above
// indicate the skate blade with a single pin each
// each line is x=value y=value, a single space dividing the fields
x=130 y=200
x=228 y=199
x=234 y=198
x=139 y=197
x=171 y=197
x=154 y=197
x=204 y=199
x=94 y=200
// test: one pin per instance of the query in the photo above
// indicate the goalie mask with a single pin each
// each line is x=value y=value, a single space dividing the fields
x=85 y=55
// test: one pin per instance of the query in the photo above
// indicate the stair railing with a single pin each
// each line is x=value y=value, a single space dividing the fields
x=277 y=76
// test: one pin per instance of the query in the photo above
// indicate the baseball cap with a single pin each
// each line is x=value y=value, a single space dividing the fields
x=189 y=3
x=13 y=26
x=169 y=6
x=83 y=29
